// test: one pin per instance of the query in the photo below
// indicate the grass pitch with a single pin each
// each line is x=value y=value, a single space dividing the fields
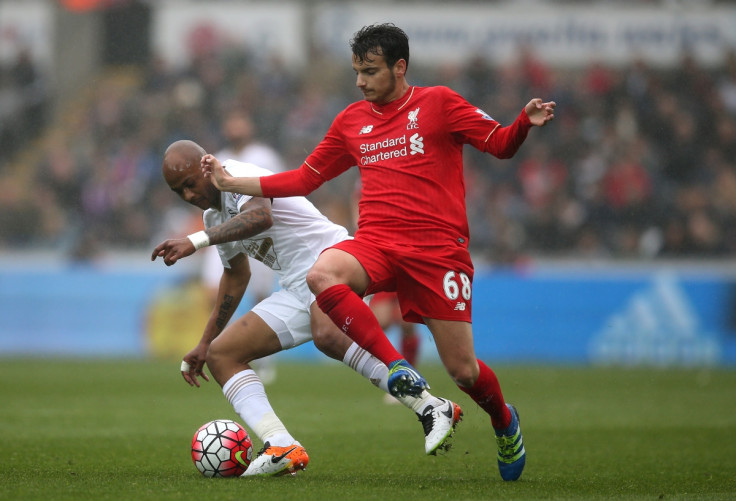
x=110 y=429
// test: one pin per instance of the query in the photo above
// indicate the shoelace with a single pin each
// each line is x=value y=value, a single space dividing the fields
x=427 y=422
x=263 y=449
x=507 y=445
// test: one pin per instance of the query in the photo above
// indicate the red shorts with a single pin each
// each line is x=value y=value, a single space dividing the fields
x=433 y=282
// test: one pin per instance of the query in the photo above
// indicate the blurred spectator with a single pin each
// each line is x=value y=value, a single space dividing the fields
x=23 y=102
x=627 y=186
x=727 y=83
x=241 y=144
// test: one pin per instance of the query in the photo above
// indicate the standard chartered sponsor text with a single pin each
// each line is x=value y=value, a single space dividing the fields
x=383 y=155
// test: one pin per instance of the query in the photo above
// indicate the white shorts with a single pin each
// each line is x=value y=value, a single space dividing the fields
x=263 y=280
x=287 y=313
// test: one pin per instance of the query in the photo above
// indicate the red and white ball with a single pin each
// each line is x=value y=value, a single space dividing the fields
x=222 y=448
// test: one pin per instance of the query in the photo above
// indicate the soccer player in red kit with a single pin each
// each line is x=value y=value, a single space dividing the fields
x=412 y=232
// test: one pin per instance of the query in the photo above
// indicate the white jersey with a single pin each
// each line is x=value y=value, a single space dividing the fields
x=291 y=246
x=262 y=279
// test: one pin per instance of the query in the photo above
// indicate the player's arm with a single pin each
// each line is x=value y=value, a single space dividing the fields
x=230 y=292
x=255 y=216
x=504 y=142
x=297 y=182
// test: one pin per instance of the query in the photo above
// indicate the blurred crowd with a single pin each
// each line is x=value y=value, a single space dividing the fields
x=23 y=103
x=640 y=161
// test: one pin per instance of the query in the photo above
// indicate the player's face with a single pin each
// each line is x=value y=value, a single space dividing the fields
x=186 y=180
x=376 y=80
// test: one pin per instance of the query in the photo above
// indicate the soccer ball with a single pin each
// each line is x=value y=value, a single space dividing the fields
x=221 y=448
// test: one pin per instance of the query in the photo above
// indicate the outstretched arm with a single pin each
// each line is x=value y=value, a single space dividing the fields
x=292 y=183
x=255 y=217
x=504 y=142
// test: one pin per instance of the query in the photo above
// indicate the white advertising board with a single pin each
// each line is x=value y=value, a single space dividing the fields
x=26 y=26
x=264 y=29
x=439 y=33
x=566 y=35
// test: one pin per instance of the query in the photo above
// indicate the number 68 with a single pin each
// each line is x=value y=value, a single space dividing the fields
x=453 y=289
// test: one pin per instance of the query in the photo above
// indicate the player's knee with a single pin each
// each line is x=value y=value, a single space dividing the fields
x=213 y=358
x=321 y=339
x=464 y=375
x=315 y=281
x=330 y=341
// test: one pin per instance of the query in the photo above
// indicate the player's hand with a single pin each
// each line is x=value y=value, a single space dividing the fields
x=192 y=365
x=173 y=250
x=213 y=169
x=540 y=113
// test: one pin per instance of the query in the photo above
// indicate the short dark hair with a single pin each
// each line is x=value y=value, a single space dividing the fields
x=381 y=39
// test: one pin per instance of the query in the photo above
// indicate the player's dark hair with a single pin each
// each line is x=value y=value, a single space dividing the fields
x=381 y=39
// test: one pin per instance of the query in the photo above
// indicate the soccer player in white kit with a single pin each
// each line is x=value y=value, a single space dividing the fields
x=241 y=144
x=286 y=234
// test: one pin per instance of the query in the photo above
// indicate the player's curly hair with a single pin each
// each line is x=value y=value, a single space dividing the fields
x=381 y=39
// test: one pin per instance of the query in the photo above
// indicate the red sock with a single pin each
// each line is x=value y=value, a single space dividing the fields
x=356 y=319
x=410 y=347
x=486 y=392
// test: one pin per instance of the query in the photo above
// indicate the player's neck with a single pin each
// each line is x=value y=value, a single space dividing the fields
x=394 y=104
x=398 y=94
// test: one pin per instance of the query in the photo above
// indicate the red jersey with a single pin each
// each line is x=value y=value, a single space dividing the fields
x=409 y=153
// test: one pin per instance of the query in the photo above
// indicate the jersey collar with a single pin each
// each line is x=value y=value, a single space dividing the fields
x=394 y=106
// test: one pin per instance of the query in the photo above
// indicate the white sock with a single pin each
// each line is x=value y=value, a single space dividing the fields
x=367 y=366
x=248 y=397
x=376 y=372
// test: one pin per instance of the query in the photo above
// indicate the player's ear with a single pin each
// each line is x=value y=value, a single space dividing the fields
x=400 y=68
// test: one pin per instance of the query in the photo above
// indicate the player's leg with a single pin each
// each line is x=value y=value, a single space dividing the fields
x=383 y=311
x=336 y=279
x=244 y=340
x=454 y=342
x=438 y=416
x=409 y=341
x=334 y=343
x=382 y=308
x=228 y=357
x=263 y=282
x=385 y=307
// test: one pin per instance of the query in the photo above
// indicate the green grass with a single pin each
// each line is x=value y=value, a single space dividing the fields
x=122 y=429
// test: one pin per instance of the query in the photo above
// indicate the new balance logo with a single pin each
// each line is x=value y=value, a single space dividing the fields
x=416 y=143
x=365 y=129
x=460 y=306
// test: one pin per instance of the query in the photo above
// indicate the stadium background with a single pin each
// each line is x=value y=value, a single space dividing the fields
x=609 y=238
